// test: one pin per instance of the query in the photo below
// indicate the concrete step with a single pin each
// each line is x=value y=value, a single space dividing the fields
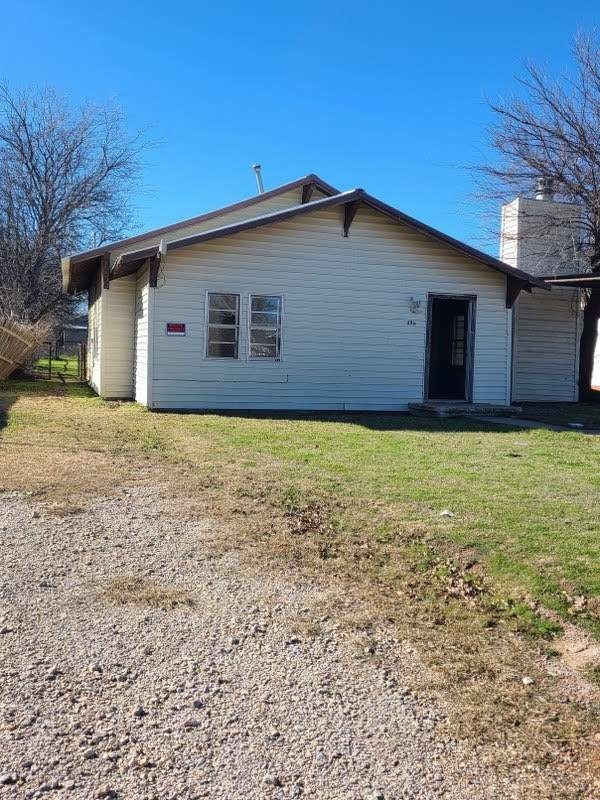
x=435 y=408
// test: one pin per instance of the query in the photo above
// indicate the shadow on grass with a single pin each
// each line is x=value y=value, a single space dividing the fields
x=13 y=388
x=373 y=420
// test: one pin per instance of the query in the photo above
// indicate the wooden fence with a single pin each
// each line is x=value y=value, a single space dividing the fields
x=18 y=342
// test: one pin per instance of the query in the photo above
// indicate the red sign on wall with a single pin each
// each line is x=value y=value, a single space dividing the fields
x=175 y=328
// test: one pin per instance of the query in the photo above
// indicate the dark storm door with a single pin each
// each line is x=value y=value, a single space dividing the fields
x=450 y=335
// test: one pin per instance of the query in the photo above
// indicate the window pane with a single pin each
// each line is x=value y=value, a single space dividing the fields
x=458 y=341
x=263 y=351
x=222 y=350
x=222 y=330
x=226 y=301
x=219 y=334
x=458 y=354
x=263 y=336
x=265 y=326
x=264 y=303
x=265 y=318
x=221 y=317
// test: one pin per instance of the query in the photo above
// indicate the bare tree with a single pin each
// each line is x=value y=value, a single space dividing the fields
x=552 y=130
x=66 y=178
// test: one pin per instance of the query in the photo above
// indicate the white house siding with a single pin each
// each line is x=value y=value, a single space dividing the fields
x=349 y=339
x=546 y=346
x=261 y=207
x=141 y=338
x=117 y=338
x=596 y=368
x=111 y=316
x=94 y=365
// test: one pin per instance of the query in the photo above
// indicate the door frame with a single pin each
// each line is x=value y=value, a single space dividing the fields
x=469 y=349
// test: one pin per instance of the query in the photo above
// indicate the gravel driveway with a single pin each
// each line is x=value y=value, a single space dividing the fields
x=253 y=691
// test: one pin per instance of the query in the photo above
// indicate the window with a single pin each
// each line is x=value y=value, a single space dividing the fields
x=265 y=326
x=223 y=325
x=458 y=341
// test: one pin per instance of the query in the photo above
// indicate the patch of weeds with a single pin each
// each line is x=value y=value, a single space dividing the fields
x=421 y=556
x=591 y=624
x=327 y=550
x=133 y=589
x=291 y=499
x=521 y=617
x=306 y=628
x=552 y=652
x=59 y=509
x=458 y=583
x=151 y=442
x=593 y=673
x=312 y=518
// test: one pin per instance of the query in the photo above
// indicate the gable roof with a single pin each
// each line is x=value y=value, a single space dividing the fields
x=89 y=260
x=130 y=262
x=78 y=270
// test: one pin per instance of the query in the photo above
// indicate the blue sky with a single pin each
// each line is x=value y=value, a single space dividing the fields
x=390 y=96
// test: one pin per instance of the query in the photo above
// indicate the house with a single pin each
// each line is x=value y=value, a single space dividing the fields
x=71 y=335
x=307 y=297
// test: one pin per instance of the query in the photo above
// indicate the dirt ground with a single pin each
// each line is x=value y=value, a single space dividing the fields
x=161 y=637
x=214 y=681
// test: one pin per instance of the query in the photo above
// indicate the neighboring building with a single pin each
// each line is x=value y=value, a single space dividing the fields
x=305 y=297
x=71 y=335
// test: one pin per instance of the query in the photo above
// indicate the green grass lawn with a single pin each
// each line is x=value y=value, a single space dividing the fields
x=67 y=366
x=524 y=503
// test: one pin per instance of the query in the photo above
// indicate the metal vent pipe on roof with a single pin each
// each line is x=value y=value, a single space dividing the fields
x=544 y=189
x=259 y=181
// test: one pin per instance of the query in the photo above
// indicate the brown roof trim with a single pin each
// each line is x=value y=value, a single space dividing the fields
x=359 y=195
x=265 y=219
x=73 y=283
x=130 y=261
x=319 y=184
x=456 y=244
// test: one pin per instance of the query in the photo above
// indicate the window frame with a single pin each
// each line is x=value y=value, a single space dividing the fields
x=249 y=326
x=207 y=325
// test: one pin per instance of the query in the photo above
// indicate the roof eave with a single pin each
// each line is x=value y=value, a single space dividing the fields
x=582 y=280
x=361 y=196
x=131 y=261
x=456 y=244
x=320 y=184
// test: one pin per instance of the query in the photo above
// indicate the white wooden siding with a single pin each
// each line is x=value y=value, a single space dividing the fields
x=117 y=338
x=546 y=345
x=141 y=338
x=596 y=368
x=349 y=339
x=94 y=364
x=284 y=200
x=111 y=371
